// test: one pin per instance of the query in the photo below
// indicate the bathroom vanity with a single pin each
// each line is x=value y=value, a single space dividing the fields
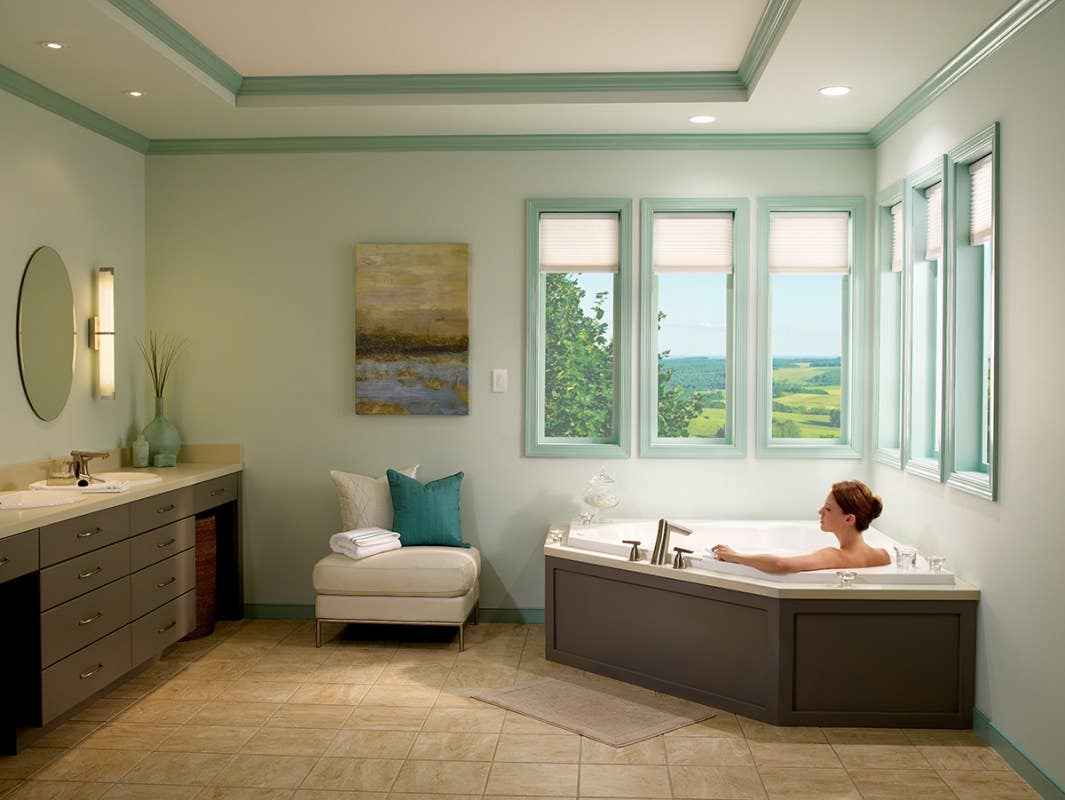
x=92 y=590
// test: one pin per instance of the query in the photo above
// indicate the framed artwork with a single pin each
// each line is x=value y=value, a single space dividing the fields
x=412 y=328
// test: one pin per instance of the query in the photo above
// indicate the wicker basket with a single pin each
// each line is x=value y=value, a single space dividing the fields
x=206 y=561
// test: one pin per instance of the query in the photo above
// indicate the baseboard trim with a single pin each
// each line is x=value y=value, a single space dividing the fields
x=1017 y=758
x=525 y=616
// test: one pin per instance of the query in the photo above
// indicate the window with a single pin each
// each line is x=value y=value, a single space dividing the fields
x=578 y=332
x=927 y=283
x=809 y=303
x=693 y=343
x=890 y=257
x=973 y=374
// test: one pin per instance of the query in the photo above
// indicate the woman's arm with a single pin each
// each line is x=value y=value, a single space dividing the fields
x=826 y=558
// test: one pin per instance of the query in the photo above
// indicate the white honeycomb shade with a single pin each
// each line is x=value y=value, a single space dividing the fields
x=578 y=242
x=896 y=237
x=933 y=196
x=809 y=242
x=692 y=242
x=981 y=220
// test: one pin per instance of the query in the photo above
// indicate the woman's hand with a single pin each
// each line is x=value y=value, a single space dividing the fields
x=724 y=552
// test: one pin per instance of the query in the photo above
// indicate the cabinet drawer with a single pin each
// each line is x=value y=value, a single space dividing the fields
x=18 y=555
x=83 y=574
x=162 y=582
x=159 y=629
x=154 y=512
x=85 y=619
x=78 y=676
x=148 y=548
x=210 y=494
x=74 y=537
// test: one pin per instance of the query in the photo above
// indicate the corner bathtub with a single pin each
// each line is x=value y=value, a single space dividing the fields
x=896 y=649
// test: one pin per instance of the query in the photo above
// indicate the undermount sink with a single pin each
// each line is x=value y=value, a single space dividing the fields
x=103 y=482
x=18 y=501
x=136 y=478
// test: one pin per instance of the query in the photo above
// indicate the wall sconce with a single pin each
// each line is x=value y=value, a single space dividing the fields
x=102 y=332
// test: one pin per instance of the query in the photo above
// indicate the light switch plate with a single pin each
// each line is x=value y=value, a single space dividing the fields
x=499 y=380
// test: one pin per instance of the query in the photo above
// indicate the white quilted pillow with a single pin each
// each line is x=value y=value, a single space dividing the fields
x=366 y=502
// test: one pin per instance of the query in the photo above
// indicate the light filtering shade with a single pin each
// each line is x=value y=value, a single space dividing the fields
x=934 y=236
x=104 y=332
x=693 y=242
x=578 y=242
x=805 y=242
x=981 y=220
x=896 y=237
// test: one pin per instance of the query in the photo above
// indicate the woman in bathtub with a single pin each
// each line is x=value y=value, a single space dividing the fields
x=848 y=510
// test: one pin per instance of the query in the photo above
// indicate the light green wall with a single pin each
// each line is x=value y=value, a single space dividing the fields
x=83 y=195
x=252 y=256
x=1014 y=549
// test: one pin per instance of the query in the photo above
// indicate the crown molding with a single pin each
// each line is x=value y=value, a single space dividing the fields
x=767 y=35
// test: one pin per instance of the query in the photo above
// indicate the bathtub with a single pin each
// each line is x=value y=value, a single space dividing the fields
x=784 y=538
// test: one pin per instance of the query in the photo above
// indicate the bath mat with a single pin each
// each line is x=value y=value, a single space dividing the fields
x=609 y=713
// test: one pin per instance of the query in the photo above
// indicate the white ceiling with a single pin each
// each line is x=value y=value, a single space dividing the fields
x=883 y=50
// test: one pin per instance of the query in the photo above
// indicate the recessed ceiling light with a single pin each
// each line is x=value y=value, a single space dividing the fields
x=701 y=119
x=835 y=91
x=52 y=45
x=135 y=93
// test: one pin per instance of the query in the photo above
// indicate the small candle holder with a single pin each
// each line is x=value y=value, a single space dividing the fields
x=846 y=578
x=935 y=563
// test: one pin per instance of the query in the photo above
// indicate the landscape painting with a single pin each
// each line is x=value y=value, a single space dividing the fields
x=412 y=328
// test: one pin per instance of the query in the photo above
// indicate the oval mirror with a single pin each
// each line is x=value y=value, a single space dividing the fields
x=46 y=333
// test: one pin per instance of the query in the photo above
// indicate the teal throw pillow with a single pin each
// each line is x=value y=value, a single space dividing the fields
x=426 y=514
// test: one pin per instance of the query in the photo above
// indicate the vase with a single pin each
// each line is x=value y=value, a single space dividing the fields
x=163 y=438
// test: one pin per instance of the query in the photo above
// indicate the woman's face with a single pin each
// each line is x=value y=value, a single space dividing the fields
x=832 y=517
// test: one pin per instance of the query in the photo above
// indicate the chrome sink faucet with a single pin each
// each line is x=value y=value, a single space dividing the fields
x=660 y=554
x=79 y=462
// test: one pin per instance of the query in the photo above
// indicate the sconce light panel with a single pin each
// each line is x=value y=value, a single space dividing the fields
x=102 y=332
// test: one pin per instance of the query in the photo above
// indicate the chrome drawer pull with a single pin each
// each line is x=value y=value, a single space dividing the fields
x=4 y=560
x=90 y=532
x=217 y=492
x=91 y=672
x=165 y=583
x=167 y=543
x=165 y=628
x=164 y=509
x=93 y=618
x=83 y=575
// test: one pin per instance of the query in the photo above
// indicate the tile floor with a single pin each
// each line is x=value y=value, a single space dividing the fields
x=256 y=712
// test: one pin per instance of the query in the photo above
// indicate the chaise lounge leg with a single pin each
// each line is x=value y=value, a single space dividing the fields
x=461 y=626
x=476 y=612
x=317 y=632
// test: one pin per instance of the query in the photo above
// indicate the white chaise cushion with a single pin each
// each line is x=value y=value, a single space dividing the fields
x=366 y=502
x=408 y=572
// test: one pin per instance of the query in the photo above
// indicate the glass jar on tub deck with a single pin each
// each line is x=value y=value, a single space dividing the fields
x=600 y=493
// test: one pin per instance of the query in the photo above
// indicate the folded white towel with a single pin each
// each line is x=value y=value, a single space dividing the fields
x=355 y=553
x=361 y=537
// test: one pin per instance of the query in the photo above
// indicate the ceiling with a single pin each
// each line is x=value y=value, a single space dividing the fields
x=252 y=68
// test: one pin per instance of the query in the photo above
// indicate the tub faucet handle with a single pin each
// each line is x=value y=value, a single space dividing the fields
x=634 y=554
x=678 y=559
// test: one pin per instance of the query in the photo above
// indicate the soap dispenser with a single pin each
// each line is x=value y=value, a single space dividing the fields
x=140 y=452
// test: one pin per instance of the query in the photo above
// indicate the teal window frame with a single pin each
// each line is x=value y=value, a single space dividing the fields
x=886 y=199
x=537 y=445
x=915 y=185
x=850 y=444
x=962 y=395
x=734 y=443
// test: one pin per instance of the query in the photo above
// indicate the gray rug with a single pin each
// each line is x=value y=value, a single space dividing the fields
x=609 y=713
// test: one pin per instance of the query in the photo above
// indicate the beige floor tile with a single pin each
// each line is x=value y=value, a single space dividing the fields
x=460 y=697
x=243 y=793
x=257 y=691
x=880 y=756
x=908 y=784
x=161 y=712
x=67 y=735
x=463 y=720
x=183 y=689
x=289 y=741
x=353 y=774
x=328 y=794
x=217 y=670
x=442 y=777
x=974 y=785
x=103 y=710
x=708 y=751
x=133 y=688
x=180 y=769
x=624 y=780
x=419 y=796
x=347 y=673
x=962 y=757
x=207 y=739
x=299 y=715
x=340 y=694
x=482 y=677
x=763 y=732
x=275 y=672
x=519 y=723
x=793 y=754
x=428 y=674
x=865 y=736
x=426 y=658
x=265 y=772
x=92 y=765
x=724 y=783
x=27 y=762
x=489 y=797
x=395 y=695
x=649 y=751
x=56 y=790
x=808 y=784
x=387 y=718
x=371 y=744
x=354 y=657
x=227 y=713
x=934 y=736
x=235 y=651
x=161 y=670
x=454 y=747
x=539 y=748
x=128 y=736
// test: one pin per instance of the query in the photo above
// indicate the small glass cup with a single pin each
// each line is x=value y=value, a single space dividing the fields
x=935 y=563
x=554 y=534
x=846 y=578
x=905 y=557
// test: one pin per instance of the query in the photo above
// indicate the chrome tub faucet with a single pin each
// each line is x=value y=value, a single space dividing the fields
x=660 y=554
